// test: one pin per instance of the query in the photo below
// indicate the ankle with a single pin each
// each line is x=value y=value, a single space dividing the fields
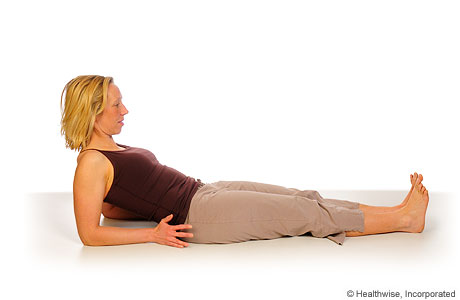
x=405 y=223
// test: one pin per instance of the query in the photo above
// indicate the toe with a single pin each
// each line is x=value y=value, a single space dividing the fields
x=421 y=177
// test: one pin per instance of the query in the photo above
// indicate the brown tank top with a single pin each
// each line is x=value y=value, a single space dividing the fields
x=142 y=185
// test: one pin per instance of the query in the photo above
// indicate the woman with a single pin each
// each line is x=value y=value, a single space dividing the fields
x=123 y=182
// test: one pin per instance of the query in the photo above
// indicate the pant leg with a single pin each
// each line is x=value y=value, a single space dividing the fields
x=277 y=189
x=221 y=212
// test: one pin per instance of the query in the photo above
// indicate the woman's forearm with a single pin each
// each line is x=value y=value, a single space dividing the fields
x=107 y=235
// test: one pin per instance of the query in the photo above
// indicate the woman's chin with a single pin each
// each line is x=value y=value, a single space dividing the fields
x=118 y=130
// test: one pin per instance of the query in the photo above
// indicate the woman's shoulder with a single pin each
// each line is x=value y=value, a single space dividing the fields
x=92 y=172
x=92 y=166
x=91 y=158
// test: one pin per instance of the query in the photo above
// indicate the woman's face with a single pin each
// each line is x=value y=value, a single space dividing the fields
x=110 y=120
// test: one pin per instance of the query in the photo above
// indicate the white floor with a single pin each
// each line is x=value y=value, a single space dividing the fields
x=55 y=262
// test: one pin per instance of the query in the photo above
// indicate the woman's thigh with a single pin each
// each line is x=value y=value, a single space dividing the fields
x=223 y=215
x=267 y=188
x=281 y=190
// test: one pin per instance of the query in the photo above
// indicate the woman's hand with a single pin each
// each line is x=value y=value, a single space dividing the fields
x=165 y=234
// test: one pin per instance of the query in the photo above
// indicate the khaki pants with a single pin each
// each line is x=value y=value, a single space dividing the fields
x=237 y=211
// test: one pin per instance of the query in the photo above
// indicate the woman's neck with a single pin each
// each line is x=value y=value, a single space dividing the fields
x=102 y=142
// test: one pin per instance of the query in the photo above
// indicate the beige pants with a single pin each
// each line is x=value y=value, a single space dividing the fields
x=237 y=211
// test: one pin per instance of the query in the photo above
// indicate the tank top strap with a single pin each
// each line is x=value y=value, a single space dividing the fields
x=102 y=151
x=91 y=149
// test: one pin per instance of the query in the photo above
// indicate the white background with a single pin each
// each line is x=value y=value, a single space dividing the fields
x=312 y=95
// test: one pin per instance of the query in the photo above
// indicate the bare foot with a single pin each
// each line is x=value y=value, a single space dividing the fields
x=415 y=209
x=413 y=178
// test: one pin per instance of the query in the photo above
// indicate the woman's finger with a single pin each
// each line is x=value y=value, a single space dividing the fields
x=181 y=226
x=177 y=241
x=174 y=240
x=184 y=234
x=183 y=243
x=171 y=242
x=167 y=218
x=175 y=245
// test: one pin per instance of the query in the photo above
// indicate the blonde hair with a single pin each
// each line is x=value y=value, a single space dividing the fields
x=85 y=98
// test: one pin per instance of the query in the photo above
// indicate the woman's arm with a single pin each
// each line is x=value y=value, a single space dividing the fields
x=89 y=189
x=106 y=236
x=163 y=234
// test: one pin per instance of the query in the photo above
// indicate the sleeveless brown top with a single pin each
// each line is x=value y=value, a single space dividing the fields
x=142 y=185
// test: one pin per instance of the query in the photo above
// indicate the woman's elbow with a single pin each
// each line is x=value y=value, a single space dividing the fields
x=85 y=243
x=86 y=239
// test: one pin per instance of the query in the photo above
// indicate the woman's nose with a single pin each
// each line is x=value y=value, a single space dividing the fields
x=125 y=111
